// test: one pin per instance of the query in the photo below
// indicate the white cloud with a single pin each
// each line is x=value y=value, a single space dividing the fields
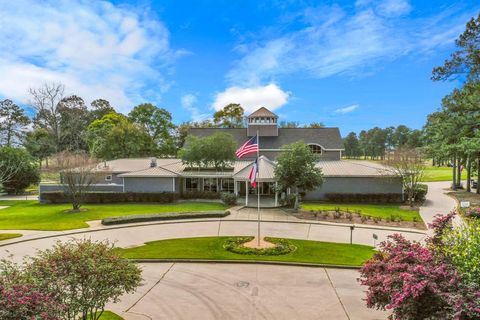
x=347 y=109
x=331 y=41
x=188 y=102
x=391 y=8
x=97 y=49
x=270 y=96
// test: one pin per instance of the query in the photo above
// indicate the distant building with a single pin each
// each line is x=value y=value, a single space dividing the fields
x=171 y=175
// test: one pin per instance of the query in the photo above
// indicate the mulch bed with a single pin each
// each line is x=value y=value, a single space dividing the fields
x=332 y=216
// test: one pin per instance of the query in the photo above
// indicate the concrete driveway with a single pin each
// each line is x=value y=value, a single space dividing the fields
x=231 y=291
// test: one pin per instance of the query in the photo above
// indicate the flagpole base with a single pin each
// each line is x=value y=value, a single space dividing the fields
x=262 y=244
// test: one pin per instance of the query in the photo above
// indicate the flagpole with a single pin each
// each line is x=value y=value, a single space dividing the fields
x=258 y=189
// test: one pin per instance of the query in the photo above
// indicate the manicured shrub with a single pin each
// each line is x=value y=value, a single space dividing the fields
x=364 y=197
x=288 y=201
x=229 y=199
x=163 y=216
x=113 y=197
x=200 y=195
x=282 y=246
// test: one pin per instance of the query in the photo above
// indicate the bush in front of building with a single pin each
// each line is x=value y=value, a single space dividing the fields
x=420 y=193
x=229 y=199
x=364 y=197
x=113 y=197
x=200 y=195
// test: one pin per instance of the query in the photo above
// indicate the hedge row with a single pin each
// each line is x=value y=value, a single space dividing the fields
x=200 y=195
x=113 y=197
x=164 y=216
x=364 y=197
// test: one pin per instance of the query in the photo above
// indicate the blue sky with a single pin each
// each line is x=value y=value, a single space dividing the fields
x=351 y=64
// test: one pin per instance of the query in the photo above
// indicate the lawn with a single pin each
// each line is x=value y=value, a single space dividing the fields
x=31 y=215
x=373 y=210
x=212 y=248
x=440 y=174
x=108 y=315
x=6 y=236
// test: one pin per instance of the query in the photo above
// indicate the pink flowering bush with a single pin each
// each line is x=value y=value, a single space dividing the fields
x=416 y=281
x=473 y=212
x=24 y=301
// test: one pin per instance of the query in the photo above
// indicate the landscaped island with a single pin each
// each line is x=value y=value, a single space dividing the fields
x=212 y=248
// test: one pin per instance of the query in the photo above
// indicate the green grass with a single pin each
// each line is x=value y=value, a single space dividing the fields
x=373 y=210
x=31 y=215
x=433 y=174
x=108 y=315
x=6 y=236
x=212 y=248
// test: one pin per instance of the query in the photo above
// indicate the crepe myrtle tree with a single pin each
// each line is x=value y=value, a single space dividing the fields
x=435 y=279
x=296 y=169
x=84 y=276
x=77 y=174
x=72 y=280
x=408 y=165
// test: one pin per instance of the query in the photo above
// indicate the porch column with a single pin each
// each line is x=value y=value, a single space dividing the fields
x=276 y=194
x=246 y=193
x=235 y=189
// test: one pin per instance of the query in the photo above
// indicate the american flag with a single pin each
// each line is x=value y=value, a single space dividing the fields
x=249 y=147
x=253 y=174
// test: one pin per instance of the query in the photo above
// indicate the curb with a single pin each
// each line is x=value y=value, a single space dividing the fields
x=263 y=262
x=137 y=225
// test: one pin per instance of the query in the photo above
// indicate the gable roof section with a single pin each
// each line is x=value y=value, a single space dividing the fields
x=328 y=138
x=262 y=112
x=266 y=170
x=150 y=173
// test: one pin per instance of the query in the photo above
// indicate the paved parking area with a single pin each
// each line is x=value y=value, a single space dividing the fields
x=246 y=291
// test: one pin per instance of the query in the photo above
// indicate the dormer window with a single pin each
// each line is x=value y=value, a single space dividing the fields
x=315 y=148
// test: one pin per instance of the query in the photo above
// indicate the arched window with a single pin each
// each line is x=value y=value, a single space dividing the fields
x=316 y=149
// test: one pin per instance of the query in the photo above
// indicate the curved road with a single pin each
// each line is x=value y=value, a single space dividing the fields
x=239 y=291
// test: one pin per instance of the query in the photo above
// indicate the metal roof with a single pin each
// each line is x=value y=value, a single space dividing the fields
x=149 y=173
x=353 y=168
x=241 y=169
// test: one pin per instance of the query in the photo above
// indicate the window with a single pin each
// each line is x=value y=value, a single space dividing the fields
x=191 y=184
x=210 y=184
x=108 y=177
x=315 y=148
x=227 y=185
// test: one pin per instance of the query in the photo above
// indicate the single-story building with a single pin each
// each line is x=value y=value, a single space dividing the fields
x=172 y=175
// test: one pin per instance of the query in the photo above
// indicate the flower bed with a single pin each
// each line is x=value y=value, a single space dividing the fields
x=236 y=245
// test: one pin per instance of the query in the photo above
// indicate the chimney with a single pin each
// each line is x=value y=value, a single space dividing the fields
x=153 y=162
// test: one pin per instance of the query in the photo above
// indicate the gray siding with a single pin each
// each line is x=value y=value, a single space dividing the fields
x=150 y=184
x=264 y=130
x=356 y=185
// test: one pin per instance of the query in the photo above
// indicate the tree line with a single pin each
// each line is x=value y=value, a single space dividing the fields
x=378 y=143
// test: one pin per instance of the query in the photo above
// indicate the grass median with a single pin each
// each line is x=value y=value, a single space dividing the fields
x=211 y=248
x=31 y=215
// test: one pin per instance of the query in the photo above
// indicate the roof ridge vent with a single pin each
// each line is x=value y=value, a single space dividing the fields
x=153 y=162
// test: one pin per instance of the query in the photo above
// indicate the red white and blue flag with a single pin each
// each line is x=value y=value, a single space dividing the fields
x=249 y=147
x=253 y=174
